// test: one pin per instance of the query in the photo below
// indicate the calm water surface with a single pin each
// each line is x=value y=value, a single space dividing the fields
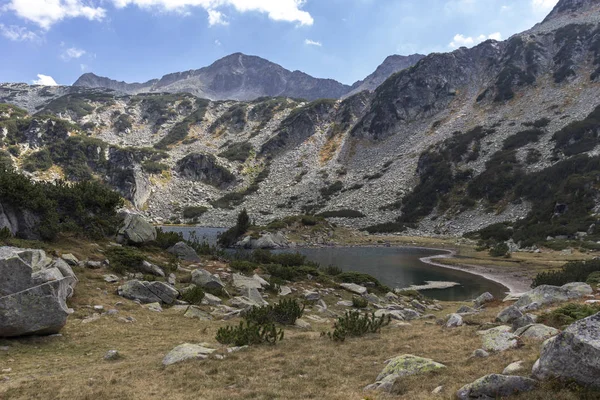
x=393 y=266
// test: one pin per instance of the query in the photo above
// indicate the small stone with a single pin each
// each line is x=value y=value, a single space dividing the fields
x=154 y=307
x=354 y=288
x=480 y=353
x=70 y=259
x=112 y=355
x=185 y=352
x=111 y=278
x=302 y=324
x=513 y=368
x=98 y=308
x=437 y=390
x=496 y=386
x=311 y=296
x=455 y=320
x=112 y=311
x=93 y=264
x=484 y=298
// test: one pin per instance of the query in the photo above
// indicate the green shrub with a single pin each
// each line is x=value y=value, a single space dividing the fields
x=359 y=302
x=14 y=150
x=286 y=312
x=231 y=236
x=358 y=278
x=38 y=161
x=180 y=131
x=567 y=314
x=332 y=270
x=574 y=271
x=243 y=266
x=499 y=250
x=247 y=334
x=237 y=152
x=332 y=189
x=123 y=259
x=164 y=240
x=194 y=212
x=193 y=295
x=593 y=278
x=354 y=324
x=154 y=167
x=123 y=123
x=522 y=138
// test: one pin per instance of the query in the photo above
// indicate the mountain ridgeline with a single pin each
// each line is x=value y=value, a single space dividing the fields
x=502 y=138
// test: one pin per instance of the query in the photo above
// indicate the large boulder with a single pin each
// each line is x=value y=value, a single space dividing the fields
x=499 y=339
x=184 y=252
x=573 y=355
x=243 y=282
x=536 y=332
x=33 y=292
x=148 y=292
x=547 y=294
x=267 y=240
x=508 y=315
x=354 y=288
x=495 y=386
x=401 y=366
x=40 y=310
x=206 y=280
x=136 y=230
x=482 y=299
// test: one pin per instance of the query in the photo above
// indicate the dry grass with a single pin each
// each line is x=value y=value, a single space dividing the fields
x=303 y=366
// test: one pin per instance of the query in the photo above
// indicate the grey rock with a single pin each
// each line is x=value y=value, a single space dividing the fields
x=111 y=278
x=466 y=310
x=402 y=366
x=166 y=293
x=93 y=264
x=195 y=312
x=525 y=320
x=243 y=282
x=494 y=386
x=46 y=275
x=513 y=368
x=410 y=314
x=112 y=355
x=148 y=292
x=311 y=296
x=301 y=324
x=211 y=300
x=186 y=352
x=151 y=269
x=184 y=252
x=482 y=299
x=547 y=294
x=267 y=240
x=572 y=355
x=354 y=288
x=204 y=279
x=136 y=230
x=284 y=290
x=172 y=279
x=16 y=275
x=39 y=310
x=254 y=295
x=537 y=332
x=480 y=353
x=499 y=339
x=154 y=307
x=70 y=259
x=455 y=320
x=509 y=314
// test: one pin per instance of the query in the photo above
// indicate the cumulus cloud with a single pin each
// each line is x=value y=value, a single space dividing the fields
x=470 y=41
x=216 y=18
x=45 y=13
x=18 y=33
x=277 y=10
x=71 y=53
x=312 y=43
x=44 y=80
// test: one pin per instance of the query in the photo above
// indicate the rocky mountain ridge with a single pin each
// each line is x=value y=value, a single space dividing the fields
x=446 y=147
x=244 y=78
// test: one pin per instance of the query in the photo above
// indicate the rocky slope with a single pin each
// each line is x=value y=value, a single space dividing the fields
x=448 y=146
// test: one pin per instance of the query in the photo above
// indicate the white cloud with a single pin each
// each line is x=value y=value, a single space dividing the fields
x=312 y=43
x=18 y=33
x=277 y=10
x=543 y=5
x=45 y=13
x=216 y=18
x=83 y=67
x=44 y=80
x=470 y=41
x=71 y=53
x=217 y=42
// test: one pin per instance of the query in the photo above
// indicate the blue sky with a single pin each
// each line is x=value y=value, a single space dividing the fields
x=135 y=40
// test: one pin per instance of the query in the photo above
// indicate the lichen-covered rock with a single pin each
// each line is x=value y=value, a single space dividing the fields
x=211 y=300
x=466 y=310
x=573 y=355
x=536 y=332
x=206 y=280
x=527 y=319
x=184 y=252
x=513 y=368
x=254 y=295
x=401 y=366
x=185 y=352
x=151 y=269
x=484 y=298
x=495 y=386
x=267 y=240
x=480 y=353
x=509 y=314
x=547 y=294
x=240 y=281
x=499 y=339
x=195 y=312
x=16 y=275
x=136 y=230
x=40 y=310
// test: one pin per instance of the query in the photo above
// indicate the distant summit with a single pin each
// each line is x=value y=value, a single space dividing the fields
x=242 y=77
x=567 y=7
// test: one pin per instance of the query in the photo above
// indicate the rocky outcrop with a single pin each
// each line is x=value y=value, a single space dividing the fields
x=204 y=279
x=186 y=352
x=33 y=292
x=267 y=240
x=499 y=339
x=136 y=230
x=22 y=223
x=204 y=168
x=546 y=294
x=148 y=292
x=495 y=386
x=573 y=355
x=538 y=332
x=184 y=252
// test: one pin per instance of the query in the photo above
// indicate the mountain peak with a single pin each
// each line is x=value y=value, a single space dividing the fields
x=568 y=7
